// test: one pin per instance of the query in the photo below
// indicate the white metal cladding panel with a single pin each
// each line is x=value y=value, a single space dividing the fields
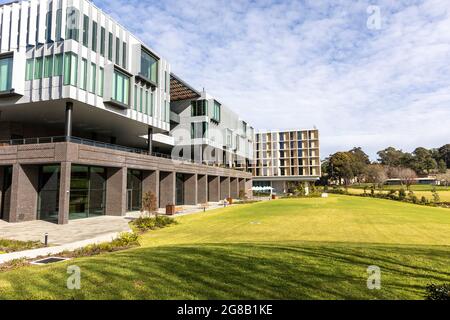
x=63 y=18
x=23 y=25
x=54 y=7
x=32 y=24
x=5 y=28
x=41 y=25
x=15 y=11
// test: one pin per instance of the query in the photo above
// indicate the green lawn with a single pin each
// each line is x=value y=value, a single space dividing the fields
x=285 y=249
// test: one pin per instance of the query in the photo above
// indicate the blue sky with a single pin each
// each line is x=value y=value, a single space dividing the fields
x=298 y=64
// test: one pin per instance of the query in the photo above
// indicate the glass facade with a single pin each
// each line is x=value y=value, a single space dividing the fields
x=149 y=66
x=70 y=69
x=48 y=194
x=87 y=192
x=5 y=196
x=179 y=189
x=216 y=112
x=72 y=29
x=6 y=66
x=199 y=108
x=121 y=87
x=134 y=190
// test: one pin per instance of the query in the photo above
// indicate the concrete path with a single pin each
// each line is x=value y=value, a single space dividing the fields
x=75 y=230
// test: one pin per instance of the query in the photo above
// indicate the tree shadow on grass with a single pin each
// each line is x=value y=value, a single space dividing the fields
x=295 y=270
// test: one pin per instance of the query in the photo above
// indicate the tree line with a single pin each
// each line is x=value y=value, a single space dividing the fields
x=346 y=167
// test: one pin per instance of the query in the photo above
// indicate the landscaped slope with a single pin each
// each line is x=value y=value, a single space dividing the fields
x=298 y=248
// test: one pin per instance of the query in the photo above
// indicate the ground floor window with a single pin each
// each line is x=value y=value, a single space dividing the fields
x=48 y=193
x=87 y=192
x=5 y=188
x=179 y=189
x=134 y=190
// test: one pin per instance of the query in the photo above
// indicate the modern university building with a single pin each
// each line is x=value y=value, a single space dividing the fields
x=91 y=118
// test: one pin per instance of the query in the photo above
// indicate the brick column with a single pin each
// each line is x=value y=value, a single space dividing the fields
x=24 y=193
x=241 y=186
x=64 y=192
x=213 y=188
x=234 y=188
x=202 y=188
x=116 y=191
x=248 y=188
x=190 y=189
x=224 y=187
x=166 y=188
x=150 y=182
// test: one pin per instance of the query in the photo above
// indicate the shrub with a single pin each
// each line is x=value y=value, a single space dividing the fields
x=438 y=292
x=423 y=200
x=7 y=245
x=436 y=197
x=125 y=240
x=144 y=224
x=401 y=194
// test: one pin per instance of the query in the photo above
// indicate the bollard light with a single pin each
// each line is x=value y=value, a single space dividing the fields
x=46 y=239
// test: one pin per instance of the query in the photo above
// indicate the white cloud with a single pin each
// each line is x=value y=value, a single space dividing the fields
x=296 y=64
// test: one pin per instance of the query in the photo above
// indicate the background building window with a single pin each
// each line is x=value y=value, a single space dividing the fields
x=6 y=65
x=124 y=55
x=117 y=51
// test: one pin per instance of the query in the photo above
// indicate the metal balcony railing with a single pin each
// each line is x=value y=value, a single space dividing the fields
x=94 y=143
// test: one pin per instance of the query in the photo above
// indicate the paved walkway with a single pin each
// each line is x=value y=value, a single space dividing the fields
x=75 y=230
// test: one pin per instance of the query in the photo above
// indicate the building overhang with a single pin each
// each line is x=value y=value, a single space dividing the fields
x=180 y=90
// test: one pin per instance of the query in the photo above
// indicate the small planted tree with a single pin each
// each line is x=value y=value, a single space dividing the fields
x=150 y=203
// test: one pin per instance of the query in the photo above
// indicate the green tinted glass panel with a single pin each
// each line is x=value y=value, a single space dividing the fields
x=58 y=65
x=38 y=68
x=29 y=69
x=48 y=66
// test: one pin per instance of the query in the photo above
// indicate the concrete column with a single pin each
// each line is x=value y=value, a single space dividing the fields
x=190 y=189
x=116 y=191
x=248 y=188
x=234 y=188
x=213 y=188
x=64 y=192
x=150 y=140
x=68 y=122
x=202 y=188
x=24 y=193
x=241 y=186
x=224 y=187
x=150 y=182
x=167 y=185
